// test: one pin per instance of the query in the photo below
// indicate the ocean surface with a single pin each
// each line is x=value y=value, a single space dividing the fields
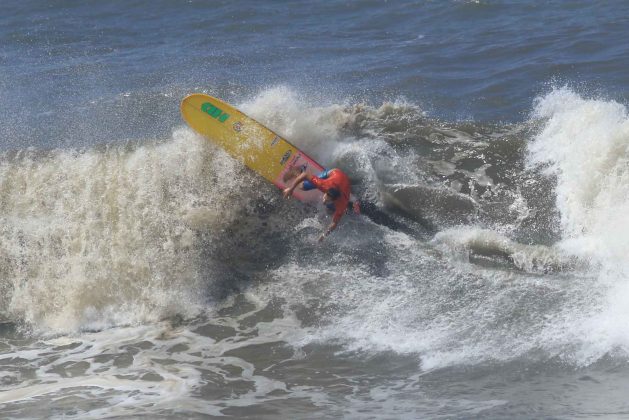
x=145 y=274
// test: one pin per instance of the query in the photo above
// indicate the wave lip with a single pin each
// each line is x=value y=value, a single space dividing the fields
x=585 y=144
x=107 y=236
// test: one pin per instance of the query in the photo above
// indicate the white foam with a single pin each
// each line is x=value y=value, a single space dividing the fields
x=312 y=128
x=107 y=236
x=584 y=143
x=404 y=297
x=134 y=371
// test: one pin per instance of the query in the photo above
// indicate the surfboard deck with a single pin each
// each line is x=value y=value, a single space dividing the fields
x=259 y=148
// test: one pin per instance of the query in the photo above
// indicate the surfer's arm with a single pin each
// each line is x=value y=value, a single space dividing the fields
x=335 y=221
x=301 y=178
x=328 y=230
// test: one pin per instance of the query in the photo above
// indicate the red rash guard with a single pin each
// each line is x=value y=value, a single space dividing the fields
x=338 y=180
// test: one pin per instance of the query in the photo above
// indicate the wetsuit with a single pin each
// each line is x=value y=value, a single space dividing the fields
x=333 y=178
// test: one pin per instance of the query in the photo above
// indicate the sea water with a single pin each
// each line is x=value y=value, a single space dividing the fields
x=144 y=273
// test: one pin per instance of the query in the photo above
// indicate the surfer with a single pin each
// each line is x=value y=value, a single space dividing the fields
x=335 y=186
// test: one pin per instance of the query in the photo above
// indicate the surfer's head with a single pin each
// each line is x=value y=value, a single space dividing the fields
x=331 y=195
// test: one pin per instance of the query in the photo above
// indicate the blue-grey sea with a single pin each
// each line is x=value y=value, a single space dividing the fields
x=146 y=274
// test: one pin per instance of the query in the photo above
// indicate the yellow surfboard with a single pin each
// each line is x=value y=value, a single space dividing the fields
x=262 y=150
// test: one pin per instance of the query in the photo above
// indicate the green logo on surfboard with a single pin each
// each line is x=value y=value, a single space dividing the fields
x=214 y=112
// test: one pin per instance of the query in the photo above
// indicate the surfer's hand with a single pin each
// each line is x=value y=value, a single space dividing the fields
x=321 y=237
x=287 y=193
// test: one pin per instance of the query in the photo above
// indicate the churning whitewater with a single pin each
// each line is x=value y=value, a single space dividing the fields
x=461 y=270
